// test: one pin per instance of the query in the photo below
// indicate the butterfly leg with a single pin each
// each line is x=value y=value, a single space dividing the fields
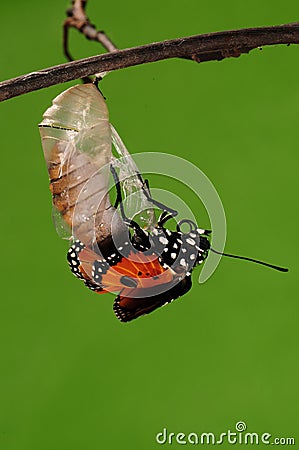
x=167 y=214
x=146 y=190
x=129 y=222
x=119 y=199
x=164 y=217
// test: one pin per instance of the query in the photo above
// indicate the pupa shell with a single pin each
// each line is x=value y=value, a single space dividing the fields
x=77 y=142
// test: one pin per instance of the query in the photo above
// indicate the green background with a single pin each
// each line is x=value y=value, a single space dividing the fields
x=72 y=376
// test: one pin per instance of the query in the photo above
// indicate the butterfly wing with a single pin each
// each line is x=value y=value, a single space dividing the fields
x=135 y=276
x=127 y=308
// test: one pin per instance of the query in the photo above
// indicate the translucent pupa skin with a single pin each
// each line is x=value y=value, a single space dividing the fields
x=77 y=142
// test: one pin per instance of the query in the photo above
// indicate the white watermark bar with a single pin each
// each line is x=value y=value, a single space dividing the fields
x=239 y=435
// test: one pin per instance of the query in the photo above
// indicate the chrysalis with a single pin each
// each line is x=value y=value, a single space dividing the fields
x=77 y=141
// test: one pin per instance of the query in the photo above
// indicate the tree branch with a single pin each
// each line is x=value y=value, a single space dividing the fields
x=200 y=48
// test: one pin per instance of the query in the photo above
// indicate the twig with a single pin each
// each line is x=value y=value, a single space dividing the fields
x=78 y=19
x=205 y=47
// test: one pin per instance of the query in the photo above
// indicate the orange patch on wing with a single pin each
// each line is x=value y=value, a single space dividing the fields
x=144 y=269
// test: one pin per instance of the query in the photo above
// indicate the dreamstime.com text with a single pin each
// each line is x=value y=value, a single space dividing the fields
x=238 y=436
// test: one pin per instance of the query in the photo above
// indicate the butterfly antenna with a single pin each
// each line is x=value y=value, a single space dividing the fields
x=281 y=269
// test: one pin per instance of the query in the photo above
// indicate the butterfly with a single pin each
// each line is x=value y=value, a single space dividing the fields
x=143 y=262
x=146 y=270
